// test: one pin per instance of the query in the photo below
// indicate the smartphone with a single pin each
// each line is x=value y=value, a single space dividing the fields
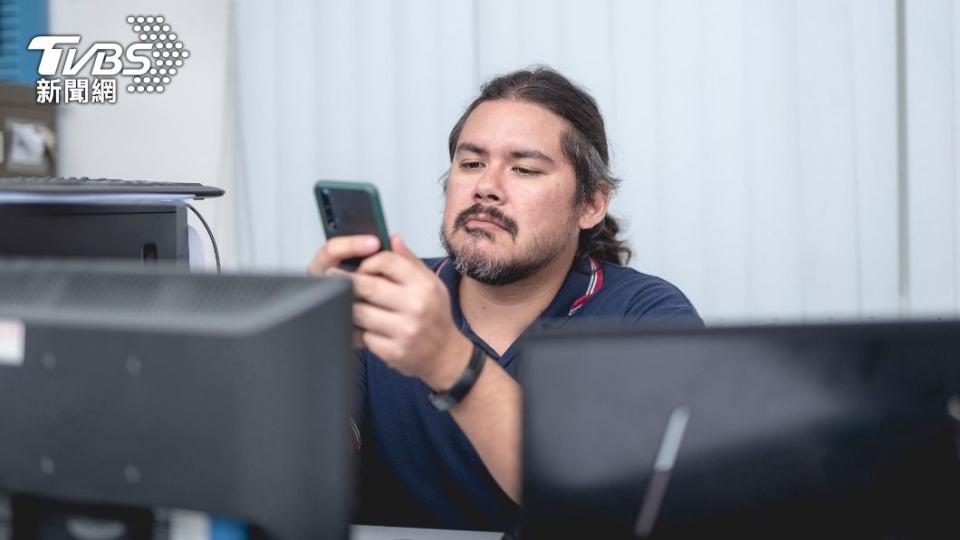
x=348 y=208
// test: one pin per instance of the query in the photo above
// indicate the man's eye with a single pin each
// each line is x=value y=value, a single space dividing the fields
x=471 y=165
x=526 y=172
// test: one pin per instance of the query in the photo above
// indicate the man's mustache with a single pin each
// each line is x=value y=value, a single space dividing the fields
x=492 y=213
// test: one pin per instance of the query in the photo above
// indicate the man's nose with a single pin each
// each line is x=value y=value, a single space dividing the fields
x=489 y=186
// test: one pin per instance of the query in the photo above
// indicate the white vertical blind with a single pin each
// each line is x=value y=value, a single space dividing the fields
x=756 y=139
x=875 y=156
x=931 y=61
x=954 y=47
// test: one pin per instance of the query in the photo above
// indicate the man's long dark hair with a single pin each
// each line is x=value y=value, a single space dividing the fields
x=584 y=144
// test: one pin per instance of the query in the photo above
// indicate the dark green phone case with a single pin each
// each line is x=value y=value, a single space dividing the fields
x=349 y=208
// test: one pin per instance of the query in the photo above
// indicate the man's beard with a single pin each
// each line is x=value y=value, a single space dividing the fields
x=469 y=261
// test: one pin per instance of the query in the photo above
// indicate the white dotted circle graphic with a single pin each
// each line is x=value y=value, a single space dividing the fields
x=166 y=52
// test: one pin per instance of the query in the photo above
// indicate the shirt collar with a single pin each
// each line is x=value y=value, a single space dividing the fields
x=583 y=282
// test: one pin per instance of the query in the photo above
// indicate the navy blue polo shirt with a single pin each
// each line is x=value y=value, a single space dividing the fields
x=417 y=467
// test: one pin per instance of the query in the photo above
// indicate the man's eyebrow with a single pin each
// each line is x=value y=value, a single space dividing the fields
x=520 y=153
x=532 y=154
x=470 y=147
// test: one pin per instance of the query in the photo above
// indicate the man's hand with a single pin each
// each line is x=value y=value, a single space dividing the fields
x=403 y=316
x=339 y=249
x=403 y=310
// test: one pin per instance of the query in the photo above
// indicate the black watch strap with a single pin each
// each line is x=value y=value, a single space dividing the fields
x=444 y=400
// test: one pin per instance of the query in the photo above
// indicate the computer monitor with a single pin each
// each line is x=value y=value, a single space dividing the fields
x=152 y=387
x=778 y=432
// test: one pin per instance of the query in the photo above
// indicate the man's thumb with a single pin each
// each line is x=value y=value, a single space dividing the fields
x=398 y=246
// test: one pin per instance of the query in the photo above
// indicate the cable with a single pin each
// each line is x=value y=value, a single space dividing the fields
x=213 y=240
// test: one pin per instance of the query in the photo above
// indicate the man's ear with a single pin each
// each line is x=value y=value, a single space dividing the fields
x=594 y=209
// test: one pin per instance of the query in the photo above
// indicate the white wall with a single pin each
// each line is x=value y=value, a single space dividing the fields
x=179 y=136
x=757 y=139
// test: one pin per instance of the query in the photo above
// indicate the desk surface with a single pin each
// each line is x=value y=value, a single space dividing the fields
x=369 y=532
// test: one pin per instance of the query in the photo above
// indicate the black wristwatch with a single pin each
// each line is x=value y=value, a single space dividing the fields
x=444 y=400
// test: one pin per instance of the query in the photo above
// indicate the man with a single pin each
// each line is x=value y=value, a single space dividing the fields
x=530 y=245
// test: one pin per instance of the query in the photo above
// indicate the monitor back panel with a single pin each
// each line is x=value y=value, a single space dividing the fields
x=248 y=424
x=770 y=432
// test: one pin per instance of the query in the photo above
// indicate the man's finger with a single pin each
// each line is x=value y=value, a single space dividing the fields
x=399 y=246
x=387 y=349
x=393 y=266
x=340 y=248
x=376 y=290
x=374 y=319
